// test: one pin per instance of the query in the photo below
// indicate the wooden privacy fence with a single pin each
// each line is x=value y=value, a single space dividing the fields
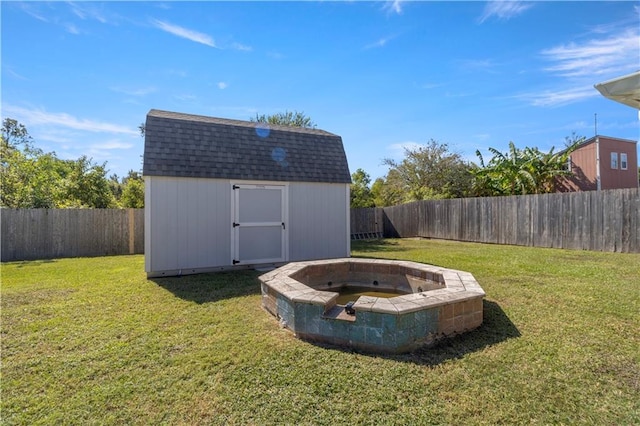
x=29 y=234
x=366 y=223
x=594 y=220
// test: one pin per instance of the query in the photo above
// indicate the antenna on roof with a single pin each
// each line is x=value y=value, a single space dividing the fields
x=595 y=123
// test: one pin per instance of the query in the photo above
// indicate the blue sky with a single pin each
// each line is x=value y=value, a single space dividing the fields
x=383 y=75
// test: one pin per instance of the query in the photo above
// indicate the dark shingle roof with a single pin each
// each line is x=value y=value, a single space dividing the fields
x=185 y=145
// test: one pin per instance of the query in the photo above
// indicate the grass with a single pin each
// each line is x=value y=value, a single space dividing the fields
x=92 y=341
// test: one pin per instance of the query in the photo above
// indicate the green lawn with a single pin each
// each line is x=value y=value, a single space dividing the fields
x=92 y=341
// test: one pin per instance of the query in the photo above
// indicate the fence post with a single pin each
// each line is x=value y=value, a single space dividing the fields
x=132 y=231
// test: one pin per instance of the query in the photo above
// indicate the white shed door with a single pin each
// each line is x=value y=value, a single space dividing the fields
x=259 y=224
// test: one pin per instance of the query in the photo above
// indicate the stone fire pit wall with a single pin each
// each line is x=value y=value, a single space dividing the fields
x=438 y=303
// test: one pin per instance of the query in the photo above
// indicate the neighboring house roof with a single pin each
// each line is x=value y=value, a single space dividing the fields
x=625 y=89
x=602 y=139
x=185 y=145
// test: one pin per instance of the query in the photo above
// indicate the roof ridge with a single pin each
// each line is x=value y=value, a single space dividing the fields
x=229 y=121
x=592 y=139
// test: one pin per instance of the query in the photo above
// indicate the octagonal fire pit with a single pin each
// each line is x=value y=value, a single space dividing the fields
x=372 y=305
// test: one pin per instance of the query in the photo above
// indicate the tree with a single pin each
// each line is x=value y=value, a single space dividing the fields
x=388 y=190
x=428 y=172
x=377 y=189
x=504 y=174
x=360 y=192
x=521 y=171
x=29 y=181
x=32 y=178
x=571 y=142
x=287 y=118
x=29 y=175
x=115 y=186
x=132 y=191
x=14 y=134
x=86 y=185
x=128 y=191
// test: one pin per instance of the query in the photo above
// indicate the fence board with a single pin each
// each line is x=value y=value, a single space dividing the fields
x=608 y=220
x=523 y=228
x=634 y=219
x=595 y=220
x=597 y=225
x=539 y=216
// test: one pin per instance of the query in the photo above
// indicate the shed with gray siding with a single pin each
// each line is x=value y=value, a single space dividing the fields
x=223 y=194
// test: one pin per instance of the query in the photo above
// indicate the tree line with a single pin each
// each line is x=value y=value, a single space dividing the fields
x=32 y=178
x=433 y=171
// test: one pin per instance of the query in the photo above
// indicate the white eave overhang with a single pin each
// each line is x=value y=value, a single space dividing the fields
x=625 y=89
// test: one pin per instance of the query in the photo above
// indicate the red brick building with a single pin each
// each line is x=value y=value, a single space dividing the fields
x=611 y=161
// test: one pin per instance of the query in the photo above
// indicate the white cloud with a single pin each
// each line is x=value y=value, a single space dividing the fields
x=77 y=11
x=185 y=33
x=84 y=11
x=30 y=9
x=222 y=85
x=241 y=47
x=56 y=136
x=504 y=10
x=575 y=66
x=398 y=150
x=185 y=97
x=614 y=54
x=14 y=74
x=31 y=117
x=552 y=98
x=71 y=29
x=380 y=43
x=177 y=73
x=111 y=144
x=275 y=55
x=485 y=65
x=198 y=37
x=134 y=92
x=89 y=10
x=394 y=6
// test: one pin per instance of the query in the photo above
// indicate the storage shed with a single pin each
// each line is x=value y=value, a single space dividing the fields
x=223 y=194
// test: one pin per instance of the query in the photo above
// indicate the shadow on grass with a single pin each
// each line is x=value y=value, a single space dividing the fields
x=380 y=245
x=30 y=263
x=496 y=328
x=205 y=288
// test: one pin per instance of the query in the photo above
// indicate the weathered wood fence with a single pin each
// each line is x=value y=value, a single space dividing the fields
x=594 y=220
x=53 y=233
x=366 y=223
